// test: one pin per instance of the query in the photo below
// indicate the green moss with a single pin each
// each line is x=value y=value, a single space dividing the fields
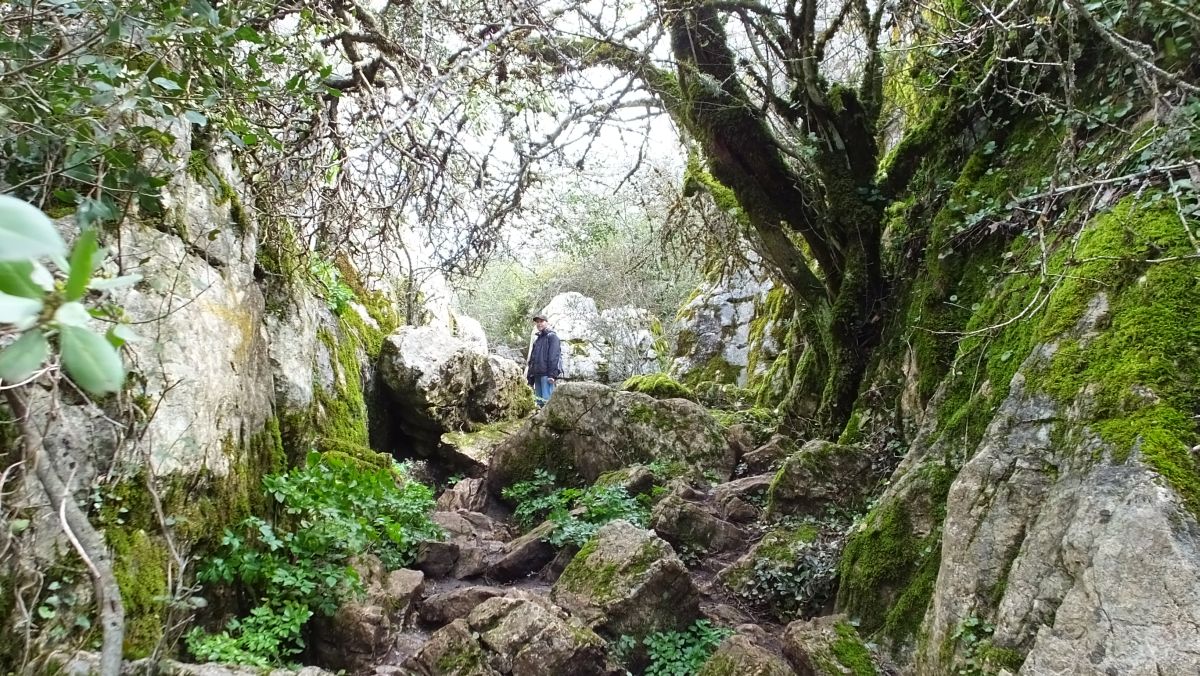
x=140 y=563
x=995 y=658
x=850 y=652
x=659 y=386
x=715 y=370
x=599 y=580
x=1142 y=373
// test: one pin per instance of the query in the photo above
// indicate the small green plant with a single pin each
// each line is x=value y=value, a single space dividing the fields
x=338 y=295
x=683 y=653
x=50 y=310
x=576 y=513
x=332 y=510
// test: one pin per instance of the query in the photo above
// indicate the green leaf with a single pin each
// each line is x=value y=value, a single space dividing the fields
x=26 y=232
x=196 y=117
x=81 y=265
x=16 y=279
x=23 y=357
x=169 y=85
x=90 y=361
x=17 y=310
x=72 y=314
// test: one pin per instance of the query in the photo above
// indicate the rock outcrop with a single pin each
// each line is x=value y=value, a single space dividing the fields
x=606 y=346
x=588 y=429
x=726 y=333
x=440 y=384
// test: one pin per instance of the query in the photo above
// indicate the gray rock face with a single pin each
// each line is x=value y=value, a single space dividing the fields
x=515 y=636
x=627 y=581
x=440 y=609
x=826 y=645
x=441 y=384
x=588 y=429
x=1095 y=566
x=714 y=327
x=605 y=346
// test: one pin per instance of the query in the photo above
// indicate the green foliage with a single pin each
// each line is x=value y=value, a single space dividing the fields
x=146 y=66
x=332 y=510
x=331 y=286
x=659 y=386
x=45 y=308
x=683 y=653
x=792 y=572
x=577 y=513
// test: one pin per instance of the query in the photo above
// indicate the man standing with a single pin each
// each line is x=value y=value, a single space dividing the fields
x=544 y=359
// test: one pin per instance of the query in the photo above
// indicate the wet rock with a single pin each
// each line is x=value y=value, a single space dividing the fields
x=693 y=526
x=589 y=429
x=819 y=475
x=628 y=581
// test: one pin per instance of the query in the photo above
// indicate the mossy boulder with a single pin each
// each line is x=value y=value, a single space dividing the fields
x=588 y=429
x=828 y=645
x=628 y=582
x=790 y=572
x=659 y=386
x=513 y=635
x=744 y=654
x=820 y=475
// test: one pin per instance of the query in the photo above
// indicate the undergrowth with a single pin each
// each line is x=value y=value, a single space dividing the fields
x=297 y=566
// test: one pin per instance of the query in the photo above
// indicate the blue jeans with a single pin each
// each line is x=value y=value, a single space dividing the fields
x=542 y=389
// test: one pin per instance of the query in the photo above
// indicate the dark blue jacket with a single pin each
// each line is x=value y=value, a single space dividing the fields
x=544 y=358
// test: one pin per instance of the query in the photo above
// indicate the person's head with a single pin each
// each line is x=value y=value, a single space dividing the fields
x=540 y=322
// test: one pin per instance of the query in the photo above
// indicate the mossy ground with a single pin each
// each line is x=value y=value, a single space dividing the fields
x=659 y=386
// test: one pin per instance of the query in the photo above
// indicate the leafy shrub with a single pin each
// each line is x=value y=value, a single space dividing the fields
x=332 y=510
x=577 y=513
x=659 y=386
x=683 y=653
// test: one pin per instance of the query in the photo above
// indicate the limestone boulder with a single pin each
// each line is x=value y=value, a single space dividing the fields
x=440 y=609
x=716 y=337
x=769 y=456
x=745 y=654
x=468 y=494
x=628 y=581
x=362 y=631
x=606 y=346
x=694 y=526
x=741 y=500
x=588 y=429
x=827 y=645
x=819 y=475
x=516 y=636
x=441 y=384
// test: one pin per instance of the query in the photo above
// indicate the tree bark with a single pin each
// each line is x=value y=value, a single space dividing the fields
x=88 y=542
